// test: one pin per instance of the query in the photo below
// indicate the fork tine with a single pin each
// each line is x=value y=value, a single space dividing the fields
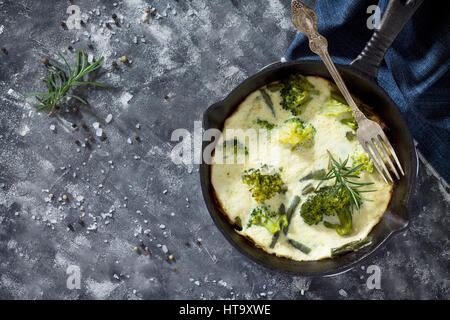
x=386 y=155
x=380 y=159
x=392 y=151
x=375 y=163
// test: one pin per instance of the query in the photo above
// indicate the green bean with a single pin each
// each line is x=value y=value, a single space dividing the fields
x=290 y=213
x=308 y=189
x=350 y=135
x=338 y=97
x=268 y=101
x=275 y=86
x=306 y=100
x=299 y=246
x=351 y=246
x=238 y=223
x=276 y=235
x=317 y=174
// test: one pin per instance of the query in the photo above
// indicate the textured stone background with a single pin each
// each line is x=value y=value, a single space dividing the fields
x=195 y=53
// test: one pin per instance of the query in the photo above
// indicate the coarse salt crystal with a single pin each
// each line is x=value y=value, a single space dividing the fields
x=109 y=118
x=99 y=132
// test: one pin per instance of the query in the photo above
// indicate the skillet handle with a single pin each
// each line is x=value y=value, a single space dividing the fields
x=396 y=15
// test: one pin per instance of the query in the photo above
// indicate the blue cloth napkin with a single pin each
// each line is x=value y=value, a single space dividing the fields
x=414 y=72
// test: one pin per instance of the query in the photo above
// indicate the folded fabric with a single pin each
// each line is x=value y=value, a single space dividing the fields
x=414 y=72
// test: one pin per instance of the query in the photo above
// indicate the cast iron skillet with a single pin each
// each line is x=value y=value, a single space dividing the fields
x=360 y=77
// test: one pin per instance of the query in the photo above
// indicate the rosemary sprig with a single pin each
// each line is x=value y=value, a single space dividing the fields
x=344 y=182
x=60 y=81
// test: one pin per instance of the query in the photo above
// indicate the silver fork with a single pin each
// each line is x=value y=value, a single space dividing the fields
x=369 y=133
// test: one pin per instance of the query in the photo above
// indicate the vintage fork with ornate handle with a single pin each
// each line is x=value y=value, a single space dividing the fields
x=369 y=133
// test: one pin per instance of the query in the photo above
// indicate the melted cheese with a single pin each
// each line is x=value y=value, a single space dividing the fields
x=237 y=201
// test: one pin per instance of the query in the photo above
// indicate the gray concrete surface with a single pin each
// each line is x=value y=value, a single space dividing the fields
x=195 y=53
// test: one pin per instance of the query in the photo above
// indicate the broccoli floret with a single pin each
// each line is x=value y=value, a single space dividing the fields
x=297 y=134
x=264 y=124
x=362 y=159
x=263 y=185
x=296 y=93
x=351 y=122
x=333 y=107
x=324 y=202
x=264 y=217
x=345 y=224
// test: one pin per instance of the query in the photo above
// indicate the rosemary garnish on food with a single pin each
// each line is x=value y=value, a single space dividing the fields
x=60 y=81
x=344 y=181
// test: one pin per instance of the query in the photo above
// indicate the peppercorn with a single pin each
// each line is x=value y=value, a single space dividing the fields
x=4 y=50
x=114 y=64
x=84 y=126
x=70 y=48
x=74 y=125
x=166 y=97
x=81 y=222
x=70 y=226
x=138 y=139
x=108 y=25
x=114 y=16
x=82 y=23
x=78 y=143
x=90 y=46
x=136 y=249
x=45 y=61
x=63 y=25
